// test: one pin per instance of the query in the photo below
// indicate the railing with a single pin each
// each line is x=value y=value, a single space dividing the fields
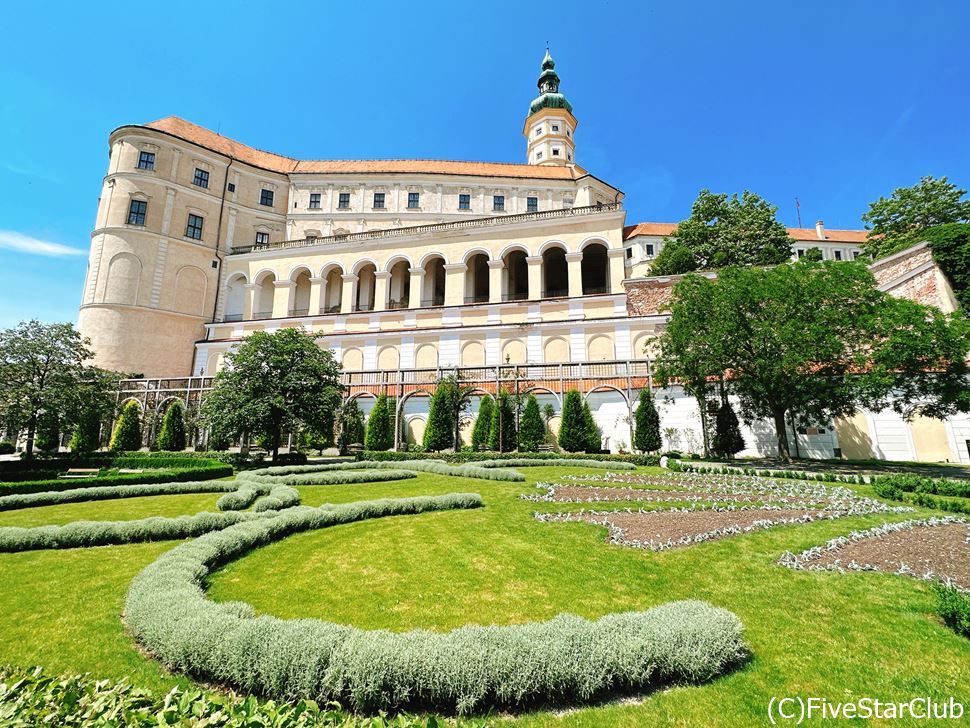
x=230 y=317
x=358 y=307
x=299 y=311
x=435 y=301
x=477 y=298
x=262 y=315
x=516 y=296
x=395 y=305
x=595 y=290
x=556 y=293
x=427 y=229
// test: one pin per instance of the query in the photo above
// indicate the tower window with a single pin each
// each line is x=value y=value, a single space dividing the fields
x=414 y=200
x=136 y=212
x=193 y=227
x=146 y=160
x=569 y=157
x=539 y=155
x=629 y=252
x=464 y=202
x=555 y=152
x=568 y=133
x=262 y=239
x=838 y=255
x=538 y=130
x=555 y=127
x=532 y=204
x=378 y=200
x=231 y=186
x=649 y=247
x=266 y=197
x=343 y=202
x=498 y=203
x=201 y=178
x=314 y=200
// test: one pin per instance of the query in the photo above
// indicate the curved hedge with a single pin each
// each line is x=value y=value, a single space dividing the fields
x=438 y=467
x=327 y=477
x=467 y=669
x=464 y=456
x=554 y=462
x=205 y=471
x=109 y=492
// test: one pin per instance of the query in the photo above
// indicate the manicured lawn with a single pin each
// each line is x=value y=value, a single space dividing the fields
x=120 y=509
x=827 y=635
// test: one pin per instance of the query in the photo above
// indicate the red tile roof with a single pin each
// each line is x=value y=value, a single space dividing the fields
x=804 y=235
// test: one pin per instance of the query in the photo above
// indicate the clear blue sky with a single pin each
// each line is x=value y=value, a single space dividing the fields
x=834 y=102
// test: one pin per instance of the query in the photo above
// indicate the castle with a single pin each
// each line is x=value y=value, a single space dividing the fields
x=524 y=275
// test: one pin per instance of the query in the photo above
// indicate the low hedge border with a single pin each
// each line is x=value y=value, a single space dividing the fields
x=471 y=457
x=110 y=492
x=208 y=471
x=557 y=462
x=425 y=466
x=825 y=476
x=465 y=670
x=348 y=477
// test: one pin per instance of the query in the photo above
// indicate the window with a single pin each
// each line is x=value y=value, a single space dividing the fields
x=314 y=200
x=538 y=130
x=498 y=203
x=629 y=252
x=649 y=248
x=800 y=253
x=532 y=204
x=343 y=202
x=838 y=254
x=414 y=200
x=555 y=152
x=378 y=200
x=136 y=212
x=567 y=132
x=464 y=202
x=569 y=157
x=856 y=254
x=193 y=228
x=266 y=197
x=555 y=127
x=146 y=160
x=262 y=238
x=201 y=178
x=538 y=155
x=311 y=239
x=231 y=186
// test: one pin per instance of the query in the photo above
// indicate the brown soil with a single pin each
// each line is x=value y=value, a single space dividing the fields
x=574 y=493
x=941 y=549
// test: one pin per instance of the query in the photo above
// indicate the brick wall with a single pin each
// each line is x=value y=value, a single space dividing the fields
x=649 y=295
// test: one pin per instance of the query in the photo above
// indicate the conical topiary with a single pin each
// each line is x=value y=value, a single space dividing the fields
x=379 y=435
x=572 y=432
x=646 y=435
x=127 y=432
x=532 y=428
x=483 y=423
x=594 y=438
x=727 y=441
x=502 y=434
x=171 y=436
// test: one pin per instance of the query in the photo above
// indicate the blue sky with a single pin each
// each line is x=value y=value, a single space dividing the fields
x=836 y=103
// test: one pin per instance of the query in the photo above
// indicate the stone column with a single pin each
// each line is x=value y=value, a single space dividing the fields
x=381 y=279
x=249 y=300
x=316 y=295
x=495 y=268
x=347 y=292
x=617 y=258
x=574 y=263
x=417 y=287
x=535 y=277
x=283 y=298
x=455 y=284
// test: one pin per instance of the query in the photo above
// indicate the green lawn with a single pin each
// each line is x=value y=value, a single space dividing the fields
x=827 y=635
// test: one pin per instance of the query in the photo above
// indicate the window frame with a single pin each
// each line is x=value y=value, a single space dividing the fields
x=144 y=163
x=314 y=203
x=193 y=230
x=383 y=201
x=464 y=201
x=201 y=178
x=414 y=201
x=261 y=238
x=264 y=195
x=139 y=214
x=532 y=204
x=343 y=200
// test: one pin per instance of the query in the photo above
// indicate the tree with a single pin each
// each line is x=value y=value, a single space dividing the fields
x=43 y=371
x=502 y=436
x=439 y=433
x=272 y=384
x=951 y=251
x=814 y=340
x=127 y=432
x=727 y=440
x=722 y=231
x=171 y=436
x=48 y=437
x=593 y=436
x=813 y=254
x=380 y=428
x=899 y=221
x=532 y=428
x=94 y=406
x=572 y=429
x=483 y=423
x=646 y=433
x=350 y=426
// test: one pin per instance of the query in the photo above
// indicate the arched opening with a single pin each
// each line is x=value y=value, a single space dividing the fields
x=611 y=412
x=366 y=279
x=124 y=279
x=596 y=269
x=265 y=292
x=476 y=279
x=555 y=273
x=301 y=294
x=333 y=290
x=235 y=298
x=434 y=282
x=399 y=285
x=516 y=277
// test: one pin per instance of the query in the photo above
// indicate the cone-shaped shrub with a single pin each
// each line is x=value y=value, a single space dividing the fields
x=483 y=424
x=532 y=428
x=501 y=434
x=85 y=437
x=440 y=432
x=380 y=434
x=172 y=435
x=48 y=436
x=127 y=432
x=572 y=432
x=727 y=434
x=646 y=436
x=594 y=438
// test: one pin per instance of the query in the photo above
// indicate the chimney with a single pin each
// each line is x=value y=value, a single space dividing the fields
x=820 y=229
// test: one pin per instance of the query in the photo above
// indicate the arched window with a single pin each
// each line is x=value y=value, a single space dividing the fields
x=434 y=282
x=555 y=273
x=301 y=294
x=333 y=290
x=399 y=285
x=516 y=286
x=235 y=298
x=596 y=269
x=476 y=279
x=265 y=292
x=366 y=280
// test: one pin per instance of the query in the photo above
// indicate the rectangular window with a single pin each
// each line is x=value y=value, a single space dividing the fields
x=538 y=130
x=649 y=248
x=532 y=204
x=266 y=197
x=538 y=155
x=555 y=127
x=629 y=252
x=856 y=254
x=555 y=152
x=464 y=202
x=136 y=212
x=800 y=253
x=201 y=178
x=378 y=200
x=311 y=239
x=414 y=200
x=146 y=160
x=193 y=228
x=231 y=186
x=262 y=238
x=498 y=203
x=343 y=202
x=838 y=254
x=314 y=200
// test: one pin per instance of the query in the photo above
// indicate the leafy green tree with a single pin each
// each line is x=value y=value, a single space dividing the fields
x=272 y=384
x=726 y=230
x=573 y=435
x=593 y=436
x=94 y=406
x=532 y=428
x=217 y=441
x=646 y=433
x=817 y=340
x=439 y=433
x=813 y=254
x=127 y=432
x=351 y=425
x=951 y=250
x=171 y=437
x=673 y=259
x=898 y=221
x=502 y=436
x=48 y=432
x=727 y=441
x=483 y=423
x=380 y=429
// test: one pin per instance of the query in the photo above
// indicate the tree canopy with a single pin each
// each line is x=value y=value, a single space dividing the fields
x=483 y=423
x=127 y=432
x=532 y=428
x=272 y=384
x=380 y=426
x=172 y=434
x=897 y=222
x=725 y=230
x=646 y=433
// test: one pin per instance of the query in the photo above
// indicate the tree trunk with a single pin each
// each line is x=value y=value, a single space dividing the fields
x=31 y=431
x=702 y=404
x=781 y=431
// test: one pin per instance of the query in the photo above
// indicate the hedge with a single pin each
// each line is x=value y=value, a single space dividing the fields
x=344 y=477
x=468 y=669
x=561 y=462
x=470 y=457
x=293 y=475
x=279 y=497
x=109 y=492
x=201 y=472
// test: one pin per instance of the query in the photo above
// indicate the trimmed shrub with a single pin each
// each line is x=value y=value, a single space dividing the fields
x=347 y=476
x=48 y=436
x=889 y=491
x=501 y=433
x=205 y=470
x=7 y=447
x=440 y=431
x=127 y=432
x=468 y=669
x=111 y=492
x=727 y=440
x=572 y=432
x=172 y=435
x=85 y=438
x=953 y=606
x=593 y=436
x=380 y=426
x=483 y=423
x=472 y=457
x=532 y=428
x=557 y=461
x=331 y=474
x=280 y=497
x=646 y=433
